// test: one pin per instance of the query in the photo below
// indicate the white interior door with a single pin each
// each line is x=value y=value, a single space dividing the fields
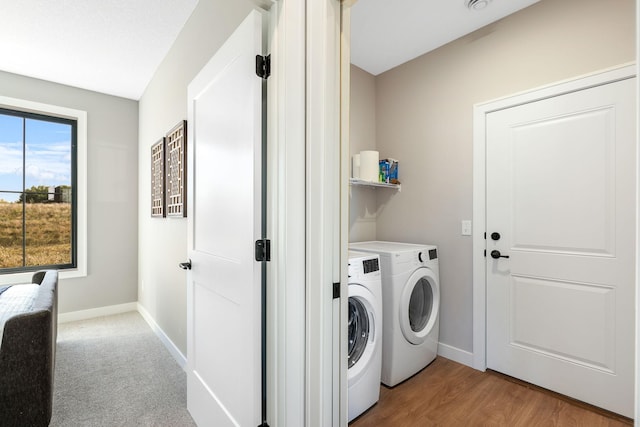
x=225 y=219
x=561 y=195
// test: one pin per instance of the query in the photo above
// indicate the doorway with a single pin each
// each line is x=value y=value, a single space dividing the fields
x=422 y=117
x=559 y=208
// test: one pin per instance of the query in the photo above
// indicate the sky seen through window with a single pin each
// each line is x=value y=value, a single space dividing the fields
x=47 y=155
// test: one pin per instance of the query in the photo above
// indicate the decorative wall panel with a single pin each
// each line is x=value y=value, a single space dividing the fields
x=157 y=179
x=176 y=168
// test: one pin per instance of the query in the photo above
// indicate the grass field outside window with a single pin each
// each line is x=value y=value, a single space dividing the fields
x=37 y=184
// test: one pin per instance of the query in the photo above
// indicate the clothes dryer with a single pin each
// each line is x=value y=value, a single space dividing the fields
x=365 y=332
x=410 y=309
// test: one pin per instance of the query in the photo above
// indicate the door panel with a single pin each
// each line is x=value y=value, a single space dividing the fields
x=228 y=159
x=561 y=193
x=225 y=192
x=593 y=316
x=551 y=189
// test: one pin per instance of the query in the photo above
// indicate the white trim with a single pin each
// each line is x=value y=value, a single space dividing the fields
x=323 y=212
x=164 y=338
x=637 y=344
x=92 y=313
x=479 y=185
x=81 y=186
x=286 y=170
x=454 y=353
x=585 y=81
x=345 y=108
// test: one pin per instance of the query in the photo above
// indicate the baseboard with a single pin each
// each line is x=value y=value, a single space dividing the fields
x=170 y=346
x=455 y=354
x=91 y=313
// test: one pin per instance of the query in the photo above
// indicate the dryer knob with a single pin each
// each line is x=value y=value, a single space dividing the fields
x=420 y=257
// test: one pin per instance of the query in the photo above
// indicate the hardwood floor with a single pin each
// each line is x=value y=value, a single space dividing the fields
x=447 y=393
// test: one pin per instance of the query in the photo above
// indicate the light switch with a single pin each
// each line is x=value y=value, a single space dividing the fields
x=466 y=227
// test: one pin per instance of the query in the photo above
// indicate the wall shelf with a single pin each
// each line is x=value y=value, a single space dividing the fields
x=359 y=182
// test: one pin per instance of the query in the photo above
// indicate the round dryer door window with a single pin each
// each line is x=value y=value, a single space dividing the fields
x=358 y=330
x=419 y=305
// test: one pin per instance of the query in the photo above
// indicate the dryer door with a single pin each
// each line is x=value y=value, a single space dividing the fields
x=419 y=305
x=362 y=330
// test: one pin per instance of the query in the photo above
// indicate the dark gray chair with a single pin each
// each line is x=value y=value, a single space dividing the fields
x=27 y=354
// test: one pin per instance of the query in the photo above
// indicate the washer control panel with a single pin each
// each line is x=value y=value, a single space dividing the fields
x=364 y=267
x=370 y=265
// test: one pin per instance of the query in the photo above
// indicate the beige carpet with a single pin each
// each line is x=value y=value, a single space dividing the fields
x=113 y=371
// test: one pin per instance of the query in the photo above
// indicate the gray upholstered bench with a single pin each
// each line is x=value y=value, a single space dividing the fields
x=28 y=331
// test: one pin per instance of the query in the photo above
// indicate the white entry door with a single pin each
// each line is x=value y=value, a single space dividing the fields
x=560 y=267
x=224 y=220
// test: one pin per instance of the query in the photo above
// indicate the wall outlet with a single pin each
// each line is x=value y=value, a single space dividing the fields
x=466 y=227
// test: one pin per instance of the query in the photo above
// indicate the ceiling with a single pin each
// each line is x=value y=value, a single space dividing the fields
x=109 y=46
x=115 y=46
x=385 y=34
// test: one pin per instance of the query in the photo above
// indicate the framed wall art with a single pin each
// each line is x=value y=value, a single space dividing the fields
x=176 y=169
x=157 y=179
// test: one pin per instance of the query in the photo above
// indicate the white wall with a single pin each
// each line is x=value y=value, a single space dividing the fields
x=423 y=118
x=362 y=136
x=163 y=242
x=112 y=195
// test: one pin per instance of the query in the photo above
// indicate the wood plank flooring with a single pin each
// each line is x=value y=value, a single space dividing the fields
x=447 y=393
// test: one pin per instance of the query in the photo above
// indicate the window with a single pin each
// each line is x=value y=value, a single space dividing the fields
x=42 y=188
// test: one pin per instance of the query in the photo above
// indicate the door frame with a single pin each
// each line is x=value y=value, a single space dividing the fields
x=325 y=398
x=286 y=175
x=345 y=168
x=304 y=371
x=480 y=111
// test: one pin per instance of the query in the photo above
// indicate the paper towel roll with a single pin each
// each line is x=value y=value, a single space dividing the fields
x=369 y=165
x=355 y=167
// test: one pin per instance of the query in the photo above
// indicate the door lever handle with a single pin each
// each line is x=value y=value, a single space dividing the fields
x=496 y=254
x=185 y=265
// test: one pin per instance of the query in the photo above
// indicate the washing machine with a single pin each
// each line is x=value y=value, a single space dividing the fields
x=410 y=308
x=365 y=332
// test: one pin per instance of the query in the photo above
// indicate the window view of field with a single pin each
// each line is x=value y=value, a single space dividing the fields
x=47 y=232
x=36 y=180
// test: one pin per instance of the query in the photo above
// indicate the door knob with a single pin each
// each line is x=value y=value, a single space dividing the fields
x=496 y=254
x=185 y=265
x=495 y=236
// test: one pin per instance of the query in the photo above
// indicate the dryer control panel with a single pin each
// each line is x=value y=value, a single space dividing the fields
x=428 y=255
x=401 y=262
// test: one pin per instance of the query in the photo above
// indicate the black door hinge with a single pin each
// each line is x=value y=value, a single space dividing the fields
x=263 y=66
x=263 y=250
x=336 y=290
x=485 y=253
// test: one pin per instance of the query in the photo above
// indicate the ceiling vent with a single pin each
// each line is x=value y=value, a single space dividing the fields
x=477 y=4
